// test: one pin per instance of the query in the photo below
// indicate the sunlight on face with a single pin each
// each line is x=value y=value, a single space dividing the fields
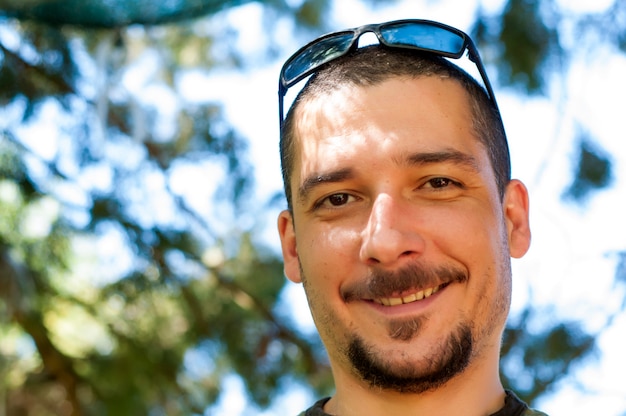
x=389 y=183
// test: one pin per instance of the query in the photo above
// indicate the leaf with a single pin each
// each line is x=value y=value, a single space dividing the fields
x=520 y=42
x=593 y=171
x=536 y=360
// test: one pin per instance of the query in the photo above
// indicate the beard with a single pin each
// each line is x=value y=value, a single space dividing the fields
x=398 y=371
x=452 y=359
x=380 y=370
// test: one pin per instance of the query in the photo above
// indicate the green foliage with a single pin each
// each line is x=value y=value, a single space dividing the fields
x=529 y=41
x=36 y=78
x=593 y=171
x=194 y=304
x=535 y=360
x=520 y=41
x=122 y=347
x=311 y=13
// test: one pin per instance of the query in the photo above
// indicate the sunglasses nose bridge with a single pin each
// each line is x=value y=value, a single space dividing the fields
x=373 y=28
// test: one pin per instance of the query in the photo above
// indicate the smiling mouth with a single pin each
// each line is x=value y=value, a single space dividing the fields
x=410 y=298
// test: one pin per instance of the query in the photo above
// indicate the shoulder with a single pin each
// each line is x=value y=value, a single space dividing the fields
x=513 y=406
x=317 y=409
x=532 y=412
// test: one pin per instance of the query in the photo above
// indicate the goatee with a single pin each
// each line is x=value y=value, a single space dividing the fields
x=453 y=358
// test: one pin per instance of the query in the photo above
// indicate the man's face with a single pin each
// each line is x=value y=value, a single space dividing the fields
x=399 y=234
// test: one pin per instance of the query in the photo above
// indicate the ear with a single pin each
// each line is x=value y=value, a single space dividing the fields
x=287 y=235
x=516 y=213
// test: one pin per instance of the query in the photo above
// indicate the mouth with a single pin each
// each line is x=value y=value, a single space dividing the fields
x=410 y=297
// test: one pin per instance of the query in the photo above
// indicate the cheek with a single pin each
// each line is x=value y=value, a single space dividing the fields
x=327 y=250
x=472 y=235
x=478 y=240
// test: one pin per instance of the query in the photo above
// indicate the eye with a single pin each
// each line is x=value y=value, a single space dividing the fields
x=438 y=183
x=338 y=199
x=335 y=200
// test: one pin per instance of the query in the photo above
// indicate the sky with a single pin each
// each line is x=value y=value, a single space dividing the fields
x=569 y=270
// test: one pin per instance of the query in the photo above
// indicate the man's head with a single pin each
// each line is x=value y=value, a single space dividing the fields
x=375 y=64
x=402 y=218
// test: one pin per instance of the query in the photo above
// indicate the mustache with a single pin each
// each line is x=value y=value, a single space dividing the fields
x=415 y=276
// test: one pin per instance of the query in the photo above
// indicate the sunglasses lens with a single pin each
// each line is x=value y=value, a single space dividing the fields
x=316 y=54
x=426 y=37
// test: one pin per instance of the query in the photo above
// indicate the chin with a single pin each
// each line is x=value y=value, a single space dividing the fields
x=447 y=360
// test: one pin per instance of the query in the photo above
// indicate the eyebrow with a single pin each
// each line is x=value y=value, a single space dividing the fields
x=446 y=156
x=414 y=159
x=318 y=179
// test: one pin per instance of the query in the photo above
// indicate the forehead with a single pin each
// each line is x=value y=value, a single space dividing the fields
x=402 y=114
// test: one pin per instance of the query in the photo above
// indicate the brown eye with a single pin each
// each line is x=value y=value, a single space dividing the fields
x=440 y=182
x=338 y=199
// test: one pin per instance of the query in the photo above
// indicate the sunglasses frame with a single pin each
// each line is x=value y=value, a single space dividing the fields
x=468 y=44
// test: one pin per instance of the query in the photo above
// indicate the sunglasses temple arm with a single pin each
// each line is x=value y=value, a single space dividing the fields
x=475 y=57
x=281 y=103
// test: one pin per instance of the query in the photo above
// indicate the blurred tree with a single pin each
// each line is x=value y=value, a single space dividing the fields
x=89 y=160
x=195 y=300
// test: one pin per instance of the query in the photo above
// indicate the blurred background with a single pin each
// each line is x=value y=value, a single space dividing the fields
x=140 y=271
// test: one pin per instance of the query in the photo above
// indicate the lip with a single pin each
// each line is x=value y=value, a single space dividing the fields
x=410 y=297
x=410 y=307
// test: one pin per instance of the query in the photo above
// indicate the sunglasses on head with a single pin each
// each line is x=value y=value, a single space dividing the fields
x=421 y=35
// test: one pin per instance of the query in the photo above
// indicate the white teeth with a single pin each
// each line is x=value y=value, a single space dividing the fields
x=422 y=294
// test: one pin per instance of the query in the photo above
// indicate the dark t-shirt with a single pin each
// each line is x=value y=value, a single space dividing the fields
x=513 y=406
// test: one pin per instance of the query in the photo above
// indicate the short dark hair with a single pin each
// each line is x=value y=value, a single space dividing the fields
x=374 y=64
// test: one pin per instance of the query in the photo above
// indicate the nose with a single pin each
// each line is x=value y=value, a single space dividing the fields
x=391 y=235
